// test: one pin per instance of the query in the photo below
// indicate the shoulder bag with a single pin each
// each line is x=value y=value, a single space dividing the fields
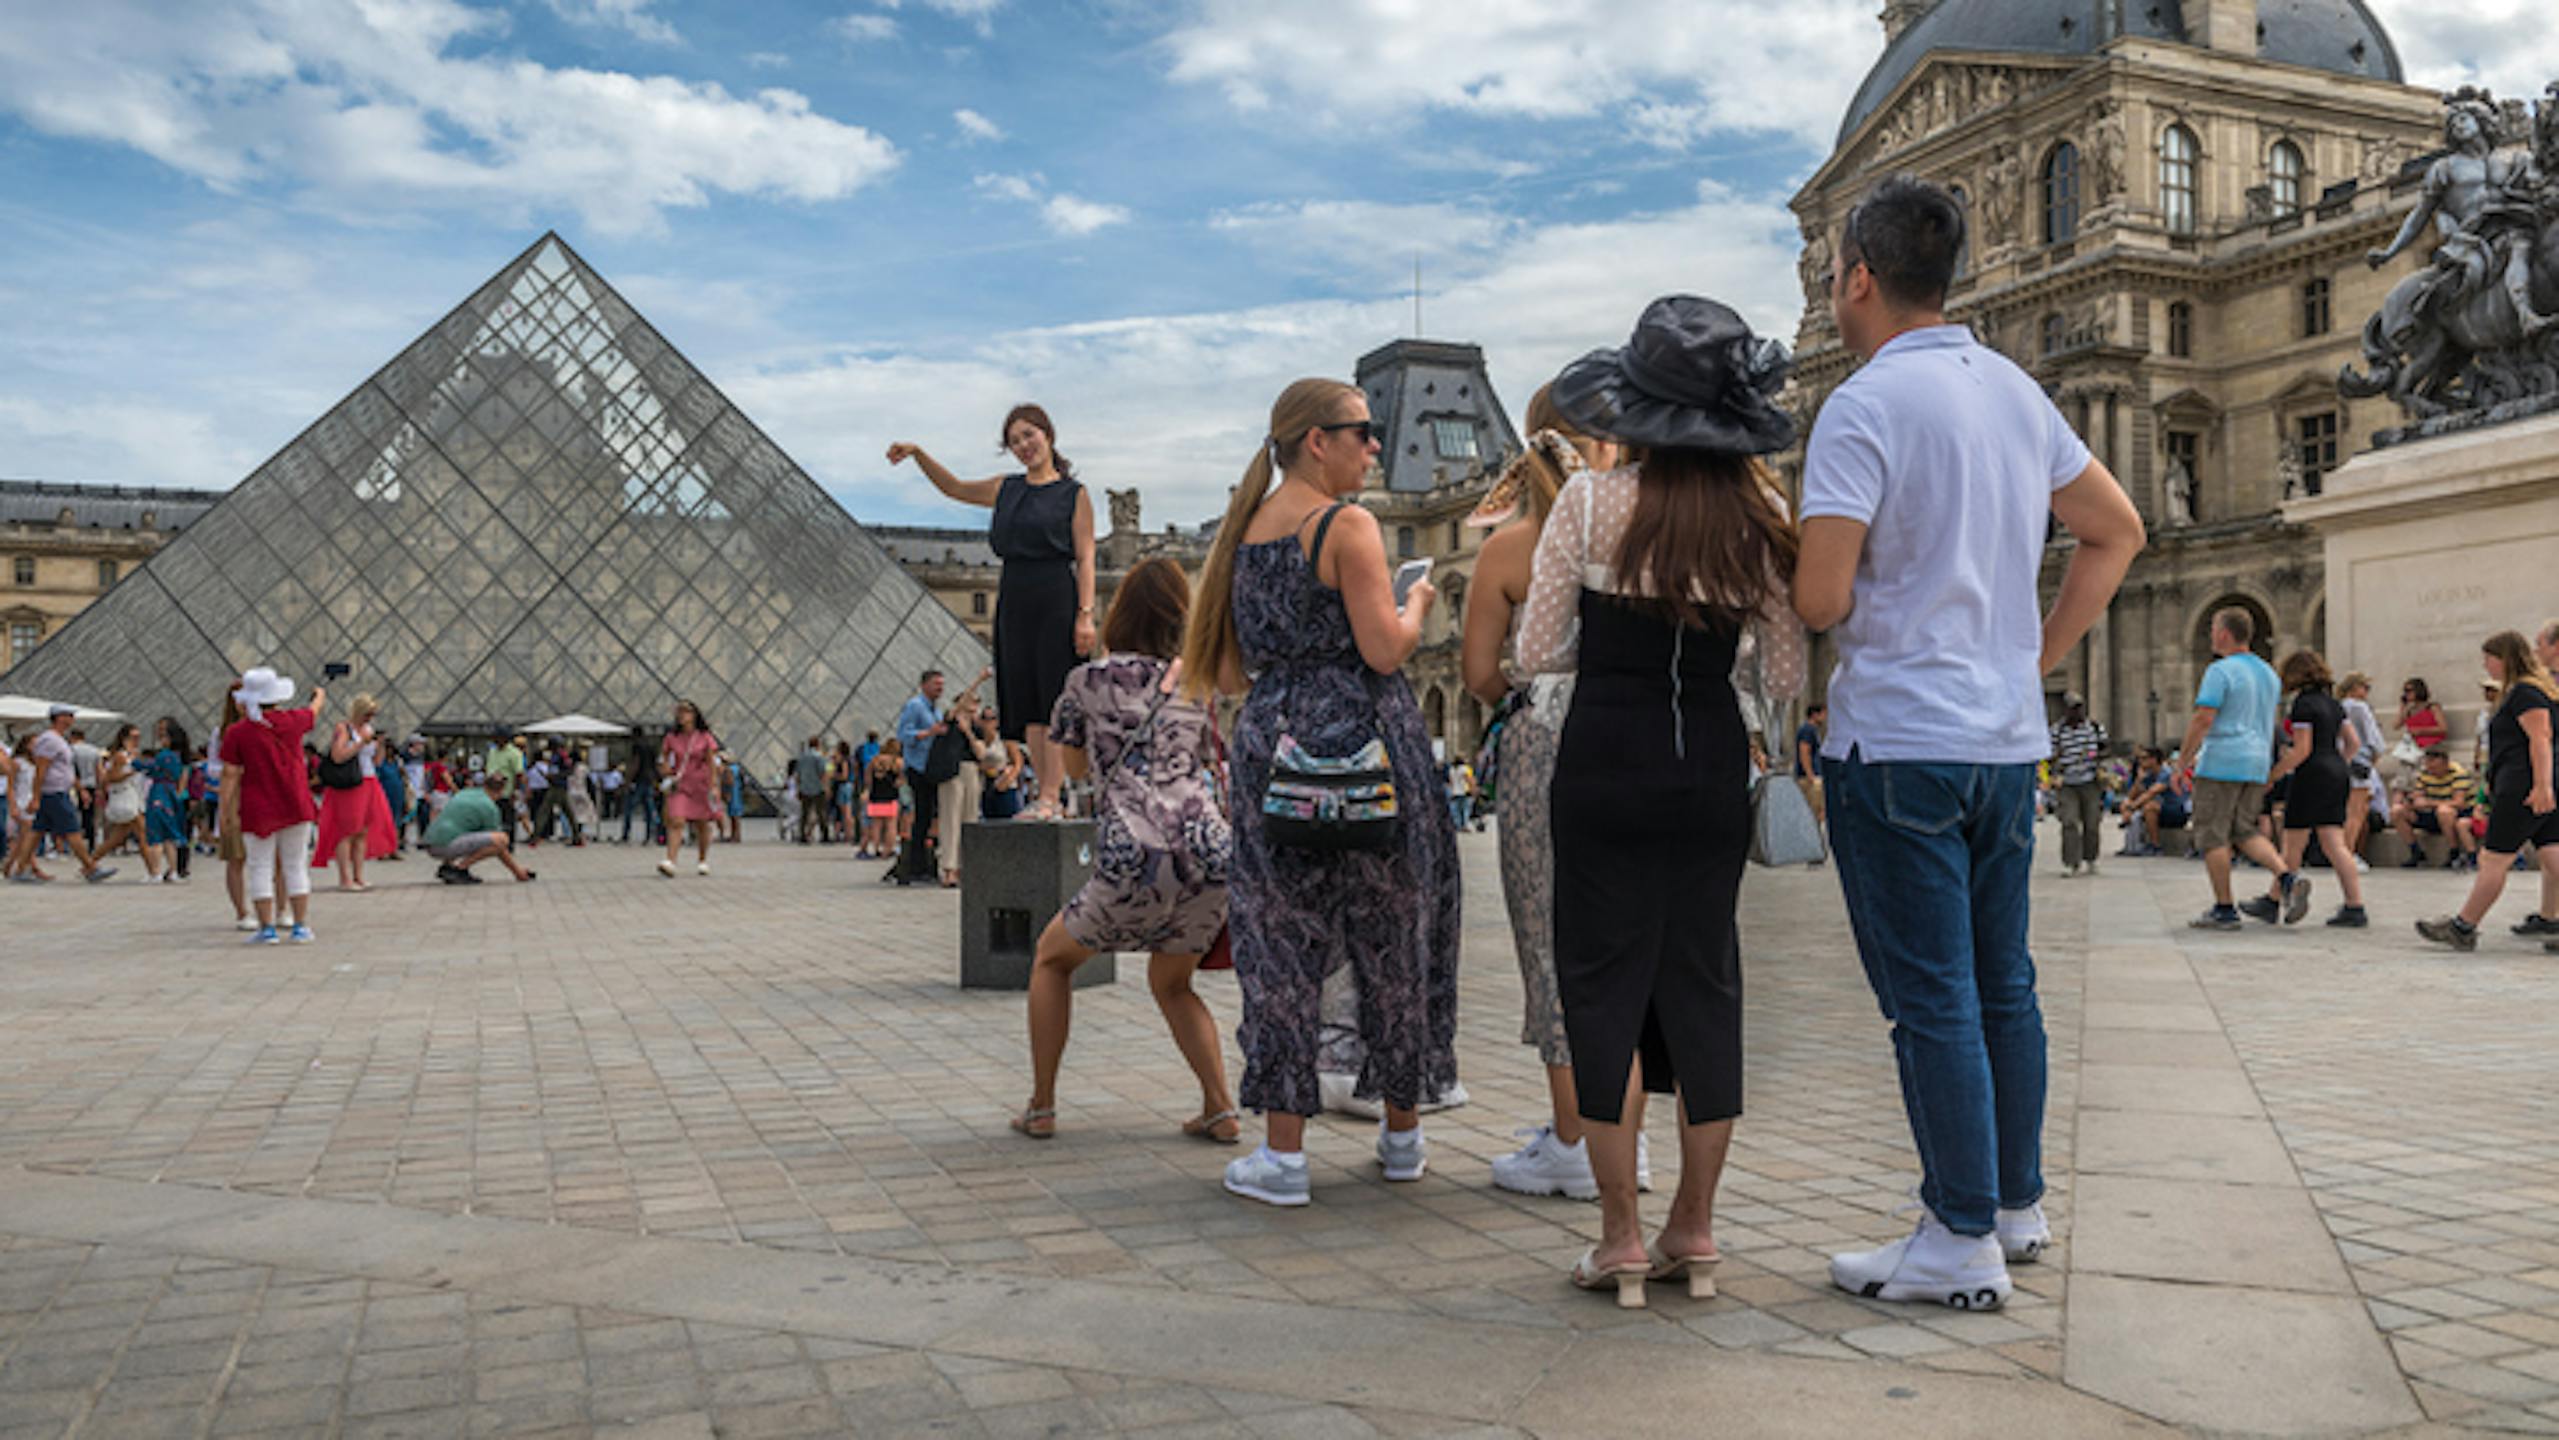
x=337 y=774
x=1342 y=801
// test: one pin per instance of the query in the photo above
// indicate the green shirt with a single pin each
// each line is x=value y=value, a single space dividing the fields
x=469 y=812
x=507 y=763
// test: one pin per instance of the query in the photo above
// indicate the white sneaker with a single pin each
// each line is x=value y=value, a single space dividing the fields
x=2024 y=1234
x=702 y=869
x=1547 y=1166
x=1404 y=1154
x=247 y=923
x=1333 y=1092
x=1934 y=1264
x=1266 y=1177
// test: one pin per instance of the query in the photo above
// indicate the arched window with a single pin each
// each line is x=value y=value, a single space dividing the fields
x=2061 y=193
x=2177 y=156
x=1963 y=251
x=2284 y=169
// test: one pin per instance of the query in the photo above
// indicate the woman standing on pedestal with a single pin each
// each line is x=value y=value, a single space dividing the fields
x=1043 y=532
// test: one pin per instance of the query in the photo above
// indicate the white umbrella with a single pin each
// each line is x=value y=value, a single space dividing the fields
x=574 y=724
x=27 y=709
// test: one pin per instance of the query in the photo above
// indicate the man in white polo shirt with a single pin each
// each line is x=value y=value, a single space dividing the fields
x=1928 y=485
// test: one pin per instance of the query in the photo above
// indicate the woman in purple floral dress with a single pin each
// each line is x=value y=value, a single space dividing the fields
x=1161 y=844
x=1296 y=611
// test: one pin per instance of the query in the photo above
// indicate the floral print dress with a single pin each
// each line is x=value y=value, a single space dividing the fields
x=1298 y=916
x=1161 y=845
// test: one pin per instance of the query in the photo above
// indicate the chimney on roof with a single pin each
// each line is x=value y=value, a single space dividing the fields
x=2227 y=25
x=1900 y=15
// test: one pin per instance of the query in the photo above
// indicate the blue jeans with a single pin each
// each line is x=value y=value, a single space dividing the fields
x=640 y=803
x=1934 y=861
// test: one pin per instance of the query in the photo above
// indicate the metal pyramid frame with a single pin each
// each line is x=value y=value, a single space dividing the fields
x=537 y=507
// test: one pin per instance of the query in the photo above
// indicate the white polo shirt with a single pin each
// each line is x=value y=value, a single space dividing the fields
x=1949 y=455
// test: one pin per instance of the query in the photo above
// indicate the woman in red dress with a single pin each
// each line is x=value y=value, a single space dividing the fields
x=355 y=820
x=688 y=764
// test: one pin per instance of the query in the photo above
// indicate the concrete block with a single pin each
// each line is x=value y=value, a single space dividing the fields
x=1019 y=874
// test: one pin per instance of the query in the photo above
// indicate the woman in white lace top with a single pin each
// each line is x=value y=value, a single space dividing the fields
x=1646 y=580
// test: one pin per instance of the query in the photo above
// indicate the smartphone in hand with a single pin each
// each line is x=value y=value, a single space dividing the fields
x=1407 y=575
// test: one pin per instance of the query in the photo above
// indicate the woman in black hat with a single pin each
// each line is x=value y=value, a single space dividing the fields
x=1646 y=578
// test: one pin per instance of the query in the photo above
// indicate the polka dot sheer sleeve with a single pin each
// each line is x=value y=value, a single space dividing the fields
x=1551 y=621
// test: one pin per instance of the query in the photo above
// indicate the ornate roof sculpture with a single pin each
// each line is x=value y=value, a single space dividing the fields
x=2340 y=36
x=538 y=507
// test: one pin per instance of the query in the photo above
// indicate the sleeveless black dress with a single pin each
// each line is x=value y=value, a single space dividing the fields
x=2322 y=783
x=1033 y=533
x=1651 y=806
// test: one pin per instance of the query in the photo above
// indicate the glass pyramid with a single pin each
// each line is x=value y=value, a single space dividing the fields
x=538 y=507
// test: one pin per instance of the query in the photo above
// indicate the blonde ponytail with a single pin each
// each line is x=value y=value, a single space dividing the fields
x=1210 y=643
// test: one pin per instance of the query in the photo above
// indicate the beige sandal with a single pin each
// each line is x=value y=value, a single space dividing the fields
x=1038 y=1124
x=1628 y=1277
x=1208 y=1127
x=1698 y=1270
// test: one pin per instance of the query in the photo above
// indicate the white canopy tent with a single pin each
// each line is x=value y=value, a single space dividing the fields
x=28 y=710
x=586 y=726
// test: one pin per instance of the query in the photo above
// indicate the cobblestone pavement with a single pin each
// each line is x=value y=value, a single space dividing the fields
x=776 y=1062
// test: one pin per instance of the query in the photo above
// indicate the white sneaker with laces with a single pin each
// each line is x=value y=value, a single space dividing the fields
x=246 y=923
x=1966 y=1272
x=1403 y=1153
x=1547 y=1166
x=1266 y=1177
x=2024 y=1234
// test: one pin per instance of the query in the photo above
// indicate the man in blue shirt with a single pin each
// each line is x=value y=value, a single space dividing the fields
x=2230 y=745
x=919 y=723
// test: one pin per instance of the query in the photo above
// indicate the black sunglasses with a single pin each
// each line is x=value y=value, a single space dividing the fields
x=1367 y=429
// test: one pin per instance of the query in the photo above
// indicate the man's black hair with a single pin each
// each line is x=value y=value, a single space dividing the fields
x=927 y=679
x=1908 y=233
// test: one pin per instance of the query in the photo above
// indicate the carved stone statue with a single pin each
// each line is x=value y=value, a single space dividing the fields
x=2261 y=204
x=2288 y=468
x=1997 y=206
x=1814 y=270
x=2106 y=155
x=2178 y=492
x=2474 y=331
x=2382 y=157
x=1124 y=511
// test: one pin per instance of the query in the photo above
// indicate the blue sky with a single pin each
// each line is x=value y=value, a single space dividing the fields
x=890 y=219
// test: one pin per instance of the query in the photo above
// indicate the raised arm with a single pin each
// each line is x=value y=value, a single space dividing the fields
x=1355 y=551
x=967 y=492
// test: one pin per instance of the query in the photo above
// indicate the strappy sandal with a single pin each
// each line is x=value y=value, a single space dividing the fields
x=1628 y=1277
x=1698 y=1270
x=1208 y=1127
x=1040 y=813
x=1037 y=1124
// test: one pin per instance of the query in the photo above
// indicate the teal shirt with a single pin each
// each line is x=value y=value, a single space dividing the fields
x=469 y=812
x=2242 y=692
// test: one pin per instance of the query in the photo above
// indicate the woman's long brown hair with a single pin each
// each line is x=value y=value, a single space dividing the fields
x=2522 y=667
x=1710 y=539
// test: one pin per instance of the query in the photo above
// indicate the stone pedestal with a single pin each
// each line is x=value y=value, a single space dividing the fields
x=2432 y=547
x=1014 y=877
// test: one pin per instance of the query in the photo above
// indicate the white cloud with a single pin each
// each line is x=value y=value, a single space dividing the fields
x=631 y=16
x=378 y=107
x=977 y=127
x=1368 y=241
x=979 y=14
x=2508 y=45
x=863 y=29
x=1172 y=404
x=768 y=60
x=1787 y=66
x=1062 y=213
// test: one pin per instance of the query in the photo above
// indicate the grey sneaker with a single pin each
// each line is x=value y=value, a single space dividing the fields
x=101 y=874
x=1403 y=1154
x=1265 y=1177
x=2448 y=930
x=2297 y=899
x=2216 y=919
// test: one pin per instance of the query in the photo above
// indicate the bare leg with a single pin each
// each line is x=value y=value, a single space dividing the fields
x=355 y=853
x=1194 y=1028
x=1612 y=1163
x=2263 y=851
x=2341 y=858
x=1052 y=1008
x=2548 y=857
x=702 y=842
x=2487 y=885
x=675 y=840
x=2217 y=870
x=1044 y=760
x=235 y=879
x=1568 y=1104
x=1690 y=1230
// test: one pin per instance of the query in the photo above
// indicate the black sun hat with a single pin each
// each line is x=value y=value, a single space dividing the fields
x=1692 y=377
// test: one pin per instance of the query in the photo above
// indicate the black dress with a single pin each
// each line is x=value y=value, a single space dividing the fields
x=2511 y=823
x=1033 y=533
x=1651 y=805
x=2320 y=784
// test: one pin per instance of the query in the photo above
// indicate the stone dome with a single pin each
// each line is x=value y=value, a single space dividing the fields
x=2339 y=36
